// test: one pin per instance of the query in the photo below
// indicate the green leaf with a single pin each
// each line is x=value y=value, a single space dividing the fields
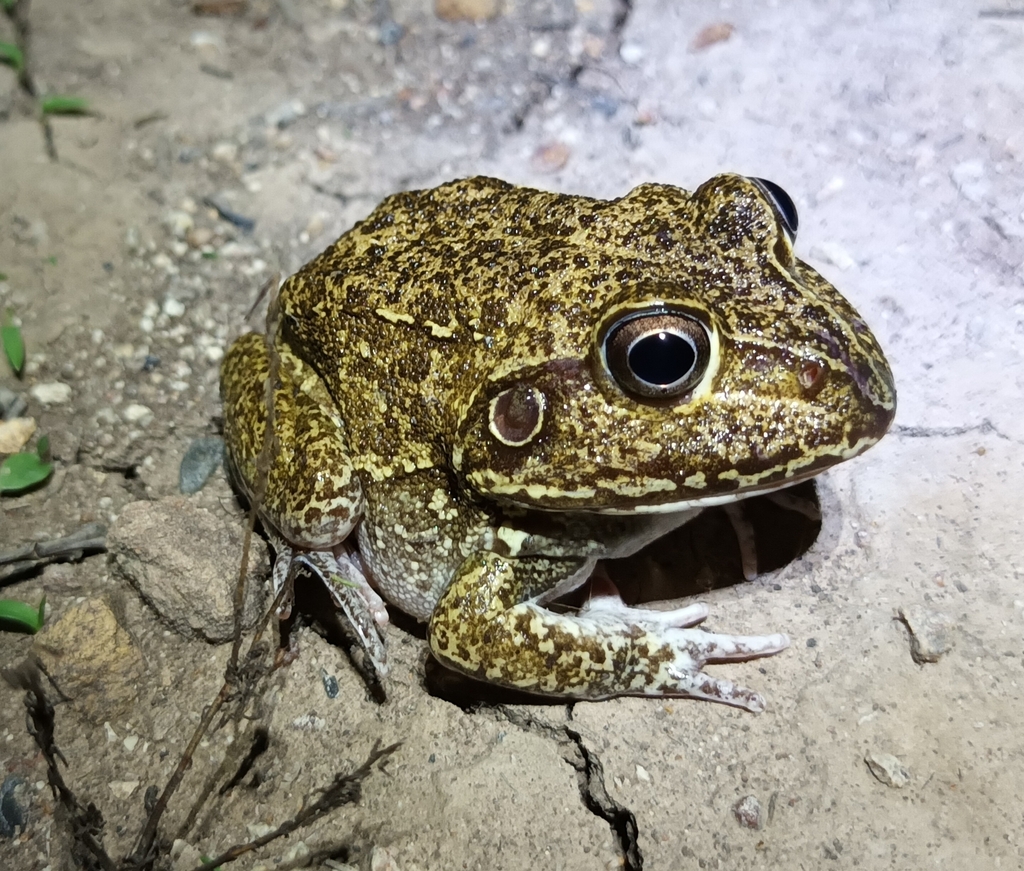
x=19 y=617
x=21 y=471
x=10 y=54
x=14 y=344
x=43 y=448
x=62 y=105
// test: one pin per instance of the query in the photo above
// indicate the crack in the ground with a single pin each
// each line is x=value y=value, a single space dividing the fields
x=590 y=775
x=925 y=432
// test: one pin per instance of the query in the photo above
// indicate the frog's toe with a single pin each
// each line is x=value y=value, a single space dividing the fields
x=610 y=607
x=723 y=648
x=700 y=685
x=353 y=596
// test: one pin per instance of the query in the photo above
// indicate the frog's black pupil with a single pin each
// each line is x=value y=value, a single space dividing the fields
x=784 y=203
x=662 y=358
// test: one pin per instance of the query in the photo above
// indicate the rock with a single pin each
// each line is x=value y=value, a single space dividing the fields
x=15 y=433
x=11 y=404
x=887 y=769
x=184 y=561
x=13 y=806
x=136 y=413
x=748 y=812
x=201 y=460
x=51 y=392
x=931 y=634
x=185 y=856
x=94 y=661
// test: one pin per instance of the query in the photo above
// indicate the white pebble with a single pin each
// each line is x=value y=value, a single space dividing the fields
x=173 y=308
x=162 y=261
x=136 y=413
x=123 y=788
x=51 y=392
x=631 y=53
x=178 y=222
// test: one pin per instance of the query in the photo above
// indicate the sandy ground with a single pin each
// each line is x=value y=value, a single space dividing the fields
x=898 y=128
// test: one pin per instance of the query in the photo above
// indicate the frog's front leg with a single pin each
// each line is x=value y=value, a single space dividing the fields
x=482 y=626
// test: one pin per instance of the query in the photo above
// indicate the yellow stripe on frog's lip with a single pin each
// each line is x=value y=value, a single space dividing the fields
x=746 y=485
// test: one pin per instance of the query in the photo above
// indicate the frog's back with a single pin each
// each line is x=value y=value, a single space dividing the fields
x=421 y=297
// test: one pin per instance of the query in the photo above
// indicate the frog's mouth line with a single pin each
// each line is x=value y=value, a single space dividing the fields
x=709 y=501
x=745 y=486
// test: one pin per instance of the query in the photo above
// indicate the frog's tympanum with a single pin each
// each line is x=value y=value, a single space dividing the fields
x=482 y=390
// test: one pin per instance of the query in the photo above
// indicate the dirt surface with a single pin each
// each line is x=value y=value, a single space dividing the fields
x=898 y=128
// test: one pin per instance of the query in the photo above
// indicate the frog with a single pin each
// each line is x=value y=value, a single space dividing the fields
x=482 y=392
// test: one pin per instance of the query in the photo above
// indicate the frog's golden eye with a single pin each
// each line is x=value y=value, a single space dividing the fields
x=783 y=204
x=659 y=355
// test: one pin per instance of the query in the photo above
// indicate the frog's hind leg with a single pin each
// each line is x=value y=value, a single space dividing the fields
x=483 y=627
x=313 y=498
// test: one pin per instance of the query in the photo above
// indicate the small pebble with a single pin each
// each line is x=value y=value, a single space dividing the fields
x=931 y=634
x=330 y=684
x=173 y=308
x=13 y=806
x=123 y=788
x=201 y=460
x=136 y=413
x=631 y=53
x=748 y=812
x=887 y=769
x=11 y=404
x=51 y=392
x=285 y=114
x=14 y=434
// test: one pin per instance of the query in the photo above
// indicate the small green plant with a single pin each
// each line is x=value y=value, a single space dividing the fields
x=64 y=105
x=26 y=469
x=19 y=617
x=13 y=343
x=11 y=55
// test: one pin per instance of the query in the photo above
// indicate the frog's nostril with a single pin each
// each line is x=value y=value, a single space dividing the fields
x=812 y=376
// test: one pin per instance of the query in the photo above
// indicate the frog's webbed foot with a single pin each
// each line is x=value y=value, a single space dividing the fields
x=483 y=627
x=341 y=573
x=693 y=648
